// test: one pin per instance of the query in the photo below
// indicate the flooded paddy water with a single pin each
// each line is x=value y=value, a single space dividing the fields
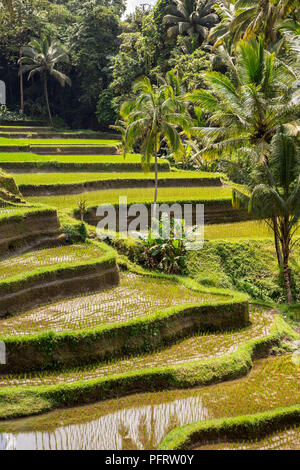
x=142 y=421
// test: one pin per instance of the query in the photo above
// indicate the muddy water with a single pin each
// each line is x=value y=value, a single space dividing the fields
x=131 y=428
x=141 y=421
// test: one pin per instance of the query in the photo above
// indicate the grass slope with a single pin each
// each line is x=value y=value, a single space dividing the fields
x=246 y=265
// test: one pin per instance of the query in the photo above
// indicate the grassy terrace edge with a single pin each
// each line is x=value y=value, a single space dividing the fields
x=240 y=428
x=13 y=283
x=23 y=292
x=54 y=165
x=16 y=402
x=17 y=213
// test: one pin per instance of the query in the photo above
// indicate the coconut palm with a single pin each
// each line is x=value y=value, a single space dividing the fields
x=191 y=17
x=291 y=32
x=246 y=109
x=42 y=57
x=276 y=196
x=155 y=116
x=8 y=4
x=260 y=16
x=221 y=33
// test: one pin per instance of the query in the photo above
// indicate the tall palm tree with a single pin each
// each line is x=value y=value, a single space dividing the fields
x=155 y=115
x=246 y=110
x=221 y=33
x=291 y=32
x=260 y=16
x=42 y=56
x=274 y=190
x=8 y=4
x=191 y=17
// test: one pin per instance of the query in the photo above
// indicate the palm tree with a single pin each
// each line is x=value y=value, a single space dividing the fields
x=8 y=4
x=192 y=18
x=260 y=16
x=221 y=33
x=277 y=196
x=154 y=116
x=291 y=33
x=245 y=111
x=41 y=57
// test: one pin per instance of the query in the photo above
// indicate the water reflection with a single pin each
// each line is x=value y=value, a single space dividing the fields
x=133 y=428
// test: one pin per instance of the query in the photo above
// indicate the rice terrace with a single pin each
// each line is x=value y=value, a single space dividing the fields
x=150 y=226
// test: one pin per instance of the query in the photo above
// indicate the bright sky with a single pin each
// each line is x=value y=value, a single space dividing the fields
x=132 y=4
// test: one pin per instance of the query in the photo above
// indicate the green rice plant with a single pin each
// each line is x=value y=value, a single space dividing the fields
x=250 y=426
x=31 y=157
x=132 y=299
x=200 y=346
x=37 y=179
x=159 y=411
x=49 y=257
x=289 y=439
x=56 y=142
x=273 y=381
x=95 y=198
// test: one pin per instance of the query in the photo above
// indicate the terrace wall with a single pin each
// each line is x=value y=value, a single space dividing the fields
x=77 y=188
x=55 y=166
x=52 y=285
x=19 y=232
x=137 y=336
x=215 y=212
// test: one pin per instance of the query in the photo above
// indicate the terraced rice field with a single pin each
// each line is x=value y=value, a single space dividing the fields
x=284 y=440
x=146 y=195
x=69 y=178
x=198 y=347
x=142 y=421
x=251 y=229
x=138 y=421
x=137 y=296
x=31 y=157
x=10 y=211
x=57 y=142
x=48 y=257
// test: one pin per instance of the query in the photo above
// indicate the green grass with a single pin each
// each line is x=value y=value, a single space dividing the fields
x=198 y=347
x=288 y=439
x=31 y=157
x=49 y=257
x=274 y=383
x=70 y=178
x=13 y=211
x=249 y=427
x=246 y=265
x=95 y=198
x=57 y=142
x=251 y=229
x=135 y=329
x=132 y=299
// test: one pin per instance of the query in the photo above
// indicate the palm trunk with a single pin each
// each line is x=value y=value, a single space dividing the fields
x=287 y=279
x=21 y=88
x=156 y=184
x=286 y=255
x=47 y=100
x=277 y=244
